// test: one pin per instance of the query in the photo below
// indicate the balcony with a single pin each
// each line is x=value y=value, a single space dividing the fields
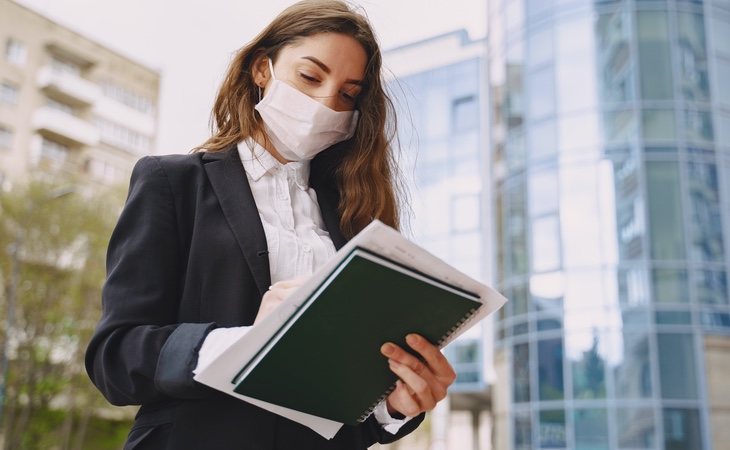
x=65 y=127
x=68 y=87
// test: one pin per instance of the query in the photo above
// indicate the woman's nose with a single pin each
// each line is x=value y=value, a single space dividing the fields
x=329 y=101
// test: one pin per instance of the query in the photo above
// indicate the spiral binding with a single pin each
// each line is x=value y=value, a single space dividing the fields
x=457 y=326
x=370 y=409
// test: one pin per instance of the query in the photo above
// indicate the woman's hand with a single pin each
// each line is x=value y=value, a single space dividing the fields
x=277 y=293
x=422 y=383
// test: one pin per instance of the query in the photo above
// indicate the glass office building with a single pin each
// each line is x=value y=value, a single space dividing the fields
x=610 y=144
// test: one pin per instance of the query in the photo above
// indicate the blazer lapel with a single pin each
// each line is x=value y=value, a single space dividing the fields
x=228 y=178
x=328 y=202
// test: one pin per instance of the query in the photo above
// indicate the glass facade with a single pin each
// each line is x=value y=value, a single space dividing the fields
x=440 y=133
x=610 y=156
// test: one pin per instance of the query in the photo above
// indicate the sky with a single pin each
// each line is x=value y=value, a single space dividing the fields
x=190 y=42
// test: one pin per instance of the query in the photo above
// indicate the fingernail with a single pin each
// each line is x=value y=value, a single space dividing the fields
x=393 y=363
x=412 y=339
x=387 y=349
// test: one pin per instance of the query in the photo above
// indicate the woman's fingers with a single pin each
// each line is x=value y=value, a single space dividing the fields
x=433 y=359
x=422 y=389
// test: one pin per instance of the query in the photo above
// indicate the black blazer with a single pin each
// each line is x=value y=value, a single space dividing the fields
x=188 y=255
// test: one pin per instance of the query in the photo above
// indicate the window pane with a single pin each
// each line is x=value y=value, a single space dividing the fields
x=682 y=429
x=541 y=92
x=465 y=213
x=585 y=354
x=591 y=429
x=677 y=365
x=6 y=138
x=670 y=286
x=658 y=124
x=543 y=192
x=711 y=287
x=635 y=428
x=706 y=218
x=550 y=369
x=521 y=373
x=632 y=372
x=552 y=428
x=465 y=112
x=665 y=211
x=614 y=56
x=655 y=64
x=692 y=57
x=723 y=73
x=9 y=93
x=630 y=216
x=515 y=229
x=542 y=140
x=698 y=127
x=523 y=430
x=539 y=45
x=545 y=244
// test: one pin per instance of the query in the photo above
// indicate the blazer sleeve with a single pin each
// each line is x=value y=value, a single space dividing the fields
x=139 y=353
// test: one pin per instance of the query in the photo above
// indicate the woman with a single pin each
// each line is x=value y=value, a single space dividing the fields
x=211 y=242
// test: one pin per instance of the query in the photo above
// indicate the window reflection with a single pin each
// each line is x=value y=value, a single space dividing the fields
x=706 y=217
x=541 y=92
x=523 y=430
x=692 y=56
x=670 y=285
x=591 y=429
x=515 y=228
x=580 y=217
x=711 y=287
x=678 y=377
x=550 y=369
x=682 y=429
x=542 y=140
x=586 y=351
x=630 y=221
x=665 y=211
x=543 y=192
x=698 y=126
x=632 y=373
x=635 y=428
x=521 y=373
x=545 y=243
x=658 y=124
x=615 y=67
x=654 y=55
x=552 y=428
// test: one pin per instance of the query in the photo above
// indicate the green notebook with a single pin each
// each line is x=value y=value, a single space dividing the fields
x=326 y=361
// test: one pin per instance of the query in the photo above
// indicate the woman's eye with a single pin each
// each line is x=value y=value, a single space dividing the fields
x=308 y=78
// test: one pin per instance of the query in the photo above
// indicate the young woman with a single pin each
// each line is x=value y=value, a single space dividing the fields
x=209 y=243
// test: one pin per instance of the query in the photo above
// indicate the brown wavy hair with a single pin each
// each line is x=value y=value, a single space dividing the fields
x=364 y=167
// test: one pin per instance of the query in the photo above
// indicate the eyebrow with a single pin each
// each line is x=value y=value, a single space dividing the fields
x=327 y=70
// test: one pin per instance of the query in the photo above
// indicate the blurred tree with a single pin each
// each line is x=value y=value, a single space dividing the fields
x=52 y=254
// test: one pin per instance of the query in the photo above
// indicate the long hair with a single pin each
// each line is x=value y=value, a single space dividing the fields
x=365 y=170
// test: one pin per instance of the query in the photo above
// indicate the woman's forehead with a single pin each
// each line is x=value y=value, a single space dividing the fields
x=340 y=54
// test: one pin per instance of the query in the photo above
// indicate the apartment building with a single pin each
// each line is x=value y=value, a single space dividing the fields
x=69 y=105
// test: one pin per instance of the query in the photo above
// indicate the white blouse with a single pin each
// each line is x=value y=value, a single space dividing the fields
x=295 y=234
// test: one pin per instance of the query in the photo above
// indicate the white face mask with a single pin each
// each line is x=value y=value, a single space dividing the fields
x=298 y=126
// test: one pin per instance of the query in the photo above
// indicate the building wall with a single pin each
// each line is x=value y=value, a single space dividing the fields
x=82 y=109
x=610 y=154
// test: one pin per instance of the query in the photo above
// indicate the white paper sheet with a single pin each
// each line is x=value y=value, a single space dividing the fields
x=376 y=237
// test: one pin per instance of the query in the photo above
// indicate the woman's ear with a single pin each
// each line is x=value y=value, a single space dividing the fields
x=261 y=71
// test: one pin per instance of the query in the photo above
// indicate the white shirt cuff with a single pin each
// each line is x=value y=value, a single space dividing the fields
x=215 y=343
x=386 y=421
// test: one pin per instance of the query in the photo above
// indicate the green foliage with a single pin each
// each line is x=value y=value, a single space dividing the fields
x=53 y=239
